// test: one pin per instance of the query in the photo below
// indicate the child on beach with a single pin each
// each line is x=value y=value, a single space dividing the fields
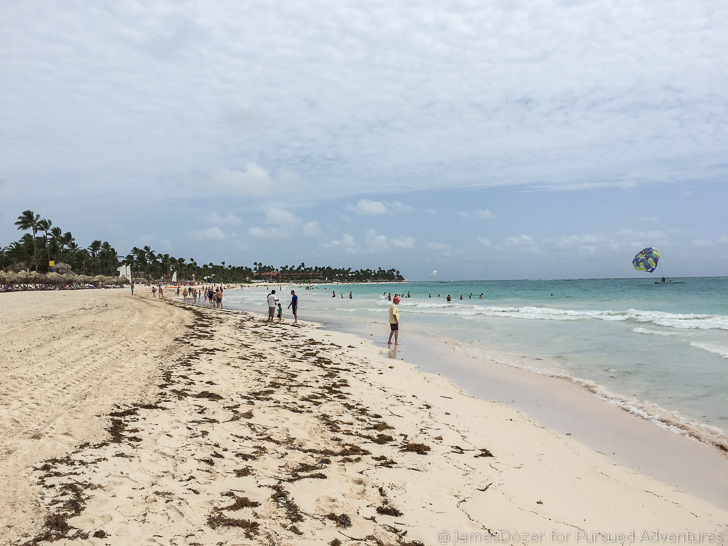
x=280 y=313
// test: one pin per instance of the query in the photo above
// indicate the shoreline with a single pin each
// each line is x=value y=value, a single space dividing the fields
x=570 y=408
x=561 y=404
x=253 y=433
x=700 y=417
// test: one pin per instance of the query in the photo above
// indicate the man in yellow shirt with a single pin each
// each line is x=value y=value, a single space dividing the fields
x=393 y=321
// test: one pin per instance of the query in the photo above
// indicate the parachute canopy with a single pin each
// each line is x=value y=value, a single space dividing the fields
x=433 y=274
x=646 y=260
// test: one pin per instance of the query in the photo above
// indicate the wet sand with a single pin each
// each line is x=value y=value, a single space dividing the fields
x=568 y=408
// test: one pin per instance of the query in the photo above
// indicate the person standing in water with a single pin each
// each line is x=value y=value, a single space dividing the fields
x=393 y=322
x=294 y=305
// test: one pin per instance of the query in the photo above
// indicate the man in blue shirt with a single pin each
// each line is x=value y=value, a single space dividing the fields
x=294 y=304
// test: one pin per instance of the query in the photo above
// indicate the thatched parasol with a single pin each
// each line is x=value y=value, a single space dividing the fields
x=37 y=278
x=63 y=269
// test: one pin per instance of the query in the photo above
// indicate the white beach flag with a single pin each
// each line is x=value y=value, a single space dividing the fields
x=174 y=277
x=124 y=271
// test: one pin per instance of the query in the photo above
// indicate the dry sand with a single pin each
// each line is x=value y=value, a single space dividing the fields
x=197 y=426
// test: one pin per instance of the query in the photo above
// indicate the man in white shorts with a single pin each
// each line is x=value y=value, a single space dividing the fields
x=272 y=302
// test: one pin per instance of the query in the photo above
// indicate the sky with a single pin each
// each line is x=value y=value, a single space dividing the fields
x=506 y=139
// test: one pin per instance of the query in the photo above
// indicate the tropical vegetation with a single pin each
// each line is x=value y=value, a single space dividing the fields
x=44 y=243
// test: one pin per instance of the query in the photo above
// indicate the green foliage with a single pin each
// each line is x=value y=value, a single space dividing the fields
x=48 y=242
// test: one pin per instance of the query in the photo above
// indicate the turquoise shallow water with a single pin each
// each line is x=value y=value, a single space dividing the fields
x=657 y=350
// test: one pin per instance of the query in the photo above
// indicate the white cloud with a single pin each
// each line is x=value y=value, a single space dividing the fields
x=465 y=215
x=216 y=220
x=379 y=243
x=723 y=240
x=485 y=242
x=431 y=212
x=520 y=241
x=365 y=207
x=396 y=206
x=484 y=214
x=650 y=219
x=376 y=243
x=282 y=225
x=212 y=234
x=346 y=245
x=282 y=217
x=402 y=242
x=254 y=181
x=313 y=229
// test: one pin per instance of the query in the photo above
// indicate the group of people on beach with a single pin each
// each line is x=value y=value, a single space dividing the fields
x=211 y=294
x=275 y=307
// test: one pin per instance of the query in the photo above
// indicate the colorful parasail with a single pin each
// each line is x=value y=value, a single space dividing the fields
x=646 y=260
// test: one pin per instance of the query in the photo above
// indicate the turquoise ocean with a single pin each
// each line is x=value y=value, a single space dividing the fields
x=659 y=351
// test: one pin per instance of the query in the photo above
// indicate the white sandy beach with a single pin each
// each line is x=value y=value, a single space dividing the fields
x=127 y=420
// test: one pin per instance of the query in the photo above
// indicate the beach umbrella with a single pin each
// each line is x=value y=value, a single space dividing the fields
x=62 y=268
x=37 y=278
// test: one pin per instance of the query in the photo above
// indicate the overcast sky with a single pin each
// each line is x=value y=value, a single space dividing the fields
x=484 y=139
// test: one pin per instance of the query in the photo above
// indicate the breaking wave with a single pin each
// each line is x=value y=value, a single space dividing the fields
x=658 y=318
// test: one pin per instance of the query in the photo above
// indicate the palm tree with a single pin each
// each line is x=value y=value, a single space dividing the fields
x=45 y=226
x=94 y=249
x=83 y=258
x=70 y=243
x=56 y=242
x=30 y=220
x=107 y=257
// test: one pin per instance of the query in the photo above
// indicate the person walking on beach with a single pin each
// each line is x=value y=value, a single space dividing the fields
x=271 y=305
x=393 y=322
x=294 y=305
x=132 y=289
x=154 y=291
x=280 y=312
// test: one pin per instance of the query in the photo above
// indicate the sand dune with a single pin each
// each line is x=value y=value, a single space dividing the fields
x=226 y=430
